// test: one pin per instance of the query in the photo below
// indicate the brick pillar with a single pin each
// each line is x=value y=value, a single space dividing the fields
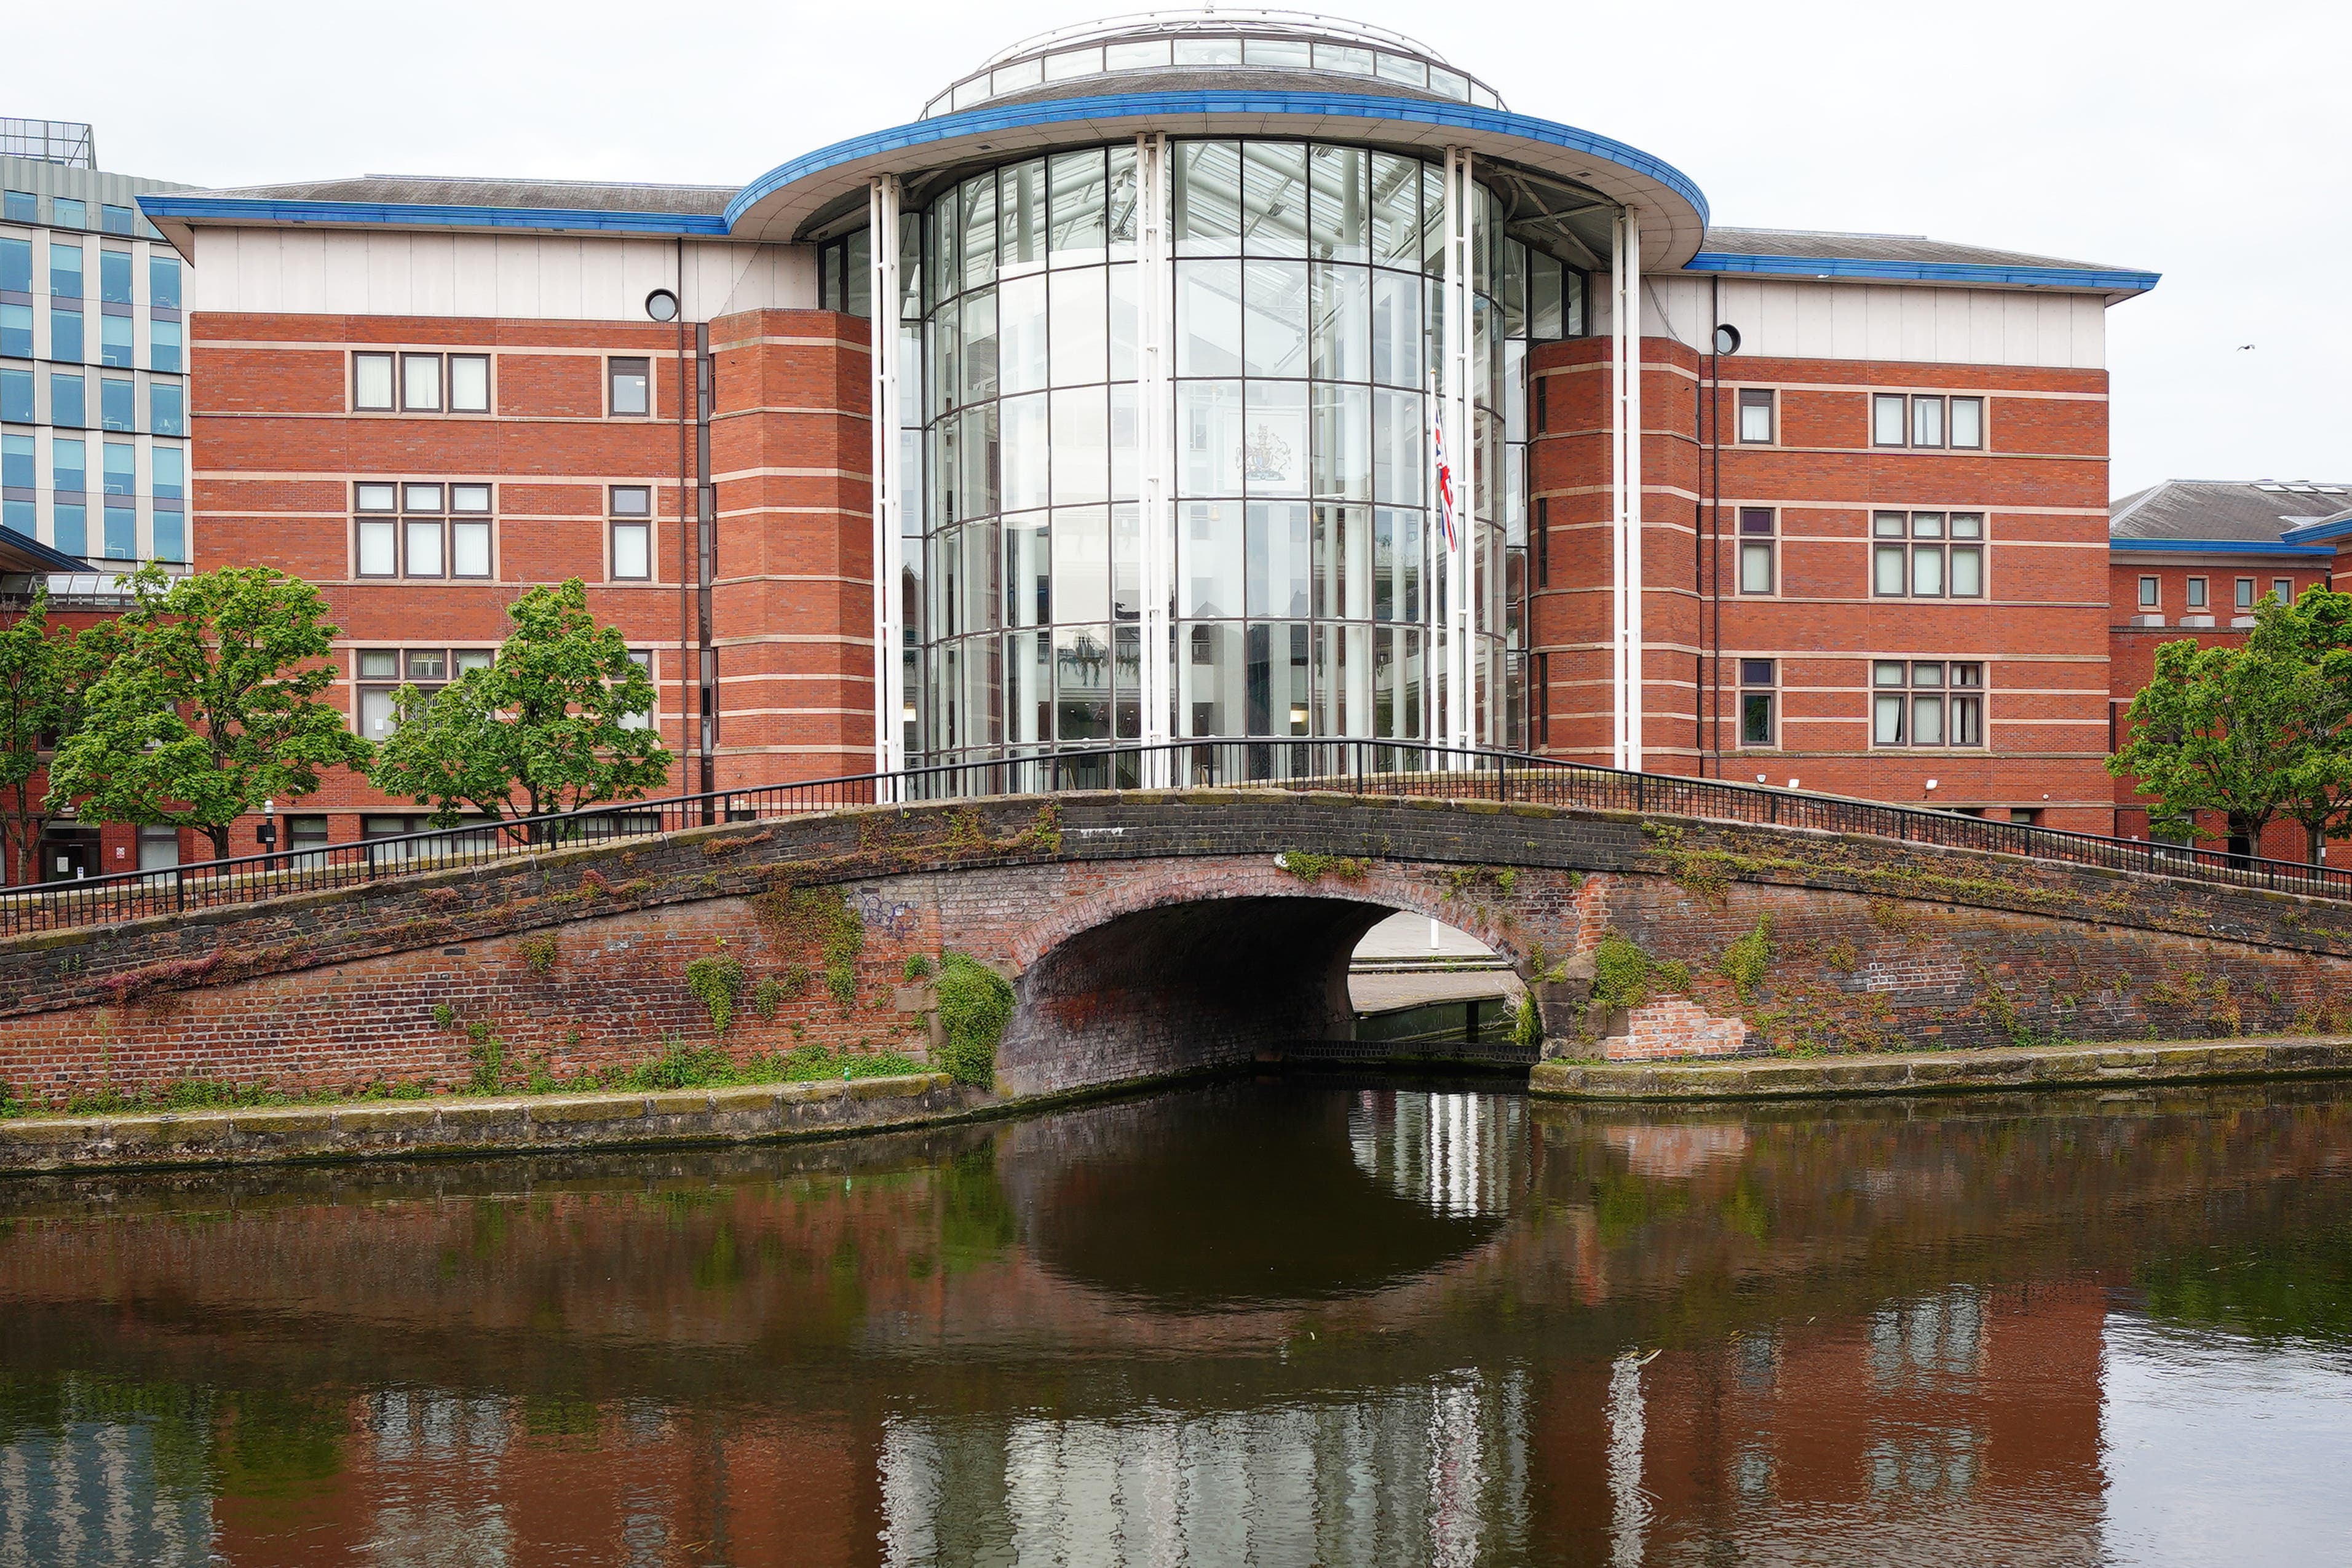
x=791 y=606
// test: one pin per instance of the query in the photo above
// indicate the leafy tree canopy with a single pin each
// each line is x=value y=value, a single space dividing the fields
x=549 y=726
x=210 y=705
x=2255 y=732
x=46 y=675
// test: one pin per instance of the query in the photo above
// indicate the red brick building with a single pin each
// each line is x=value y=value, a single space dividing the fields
x=1184 y=311
x=2188 y=560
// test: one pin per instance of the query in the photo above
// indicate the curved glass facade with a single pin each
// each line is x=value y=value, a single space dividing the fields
x=1304 y=319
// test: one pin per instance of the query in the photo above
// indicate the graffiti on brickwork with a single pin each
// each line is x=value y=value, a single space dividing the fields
x=880 y=913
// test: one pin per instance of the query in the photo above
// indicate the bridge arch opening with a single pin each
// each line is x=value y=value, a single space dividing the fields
x=1225 y=979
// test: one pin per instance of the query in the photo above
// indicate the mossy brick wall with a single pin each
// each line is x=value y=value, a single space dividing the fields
x=1152 y=934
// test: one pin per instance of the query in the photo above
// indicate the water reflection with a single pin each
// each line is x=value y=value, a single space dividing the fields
x=1279 y=1322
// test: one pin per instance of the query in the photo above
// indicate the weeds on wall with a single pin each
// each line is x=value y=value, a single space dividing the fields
x=1311 y=868
x=716 y=981
x=917 y=969
x=489 y=1058
x=821 y=918
x=538 y=952
x=1747 y=961
x=975 y=1004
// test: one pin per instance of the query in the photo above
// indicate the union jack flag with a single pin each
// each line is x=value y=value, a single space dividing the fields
x=1444 y=471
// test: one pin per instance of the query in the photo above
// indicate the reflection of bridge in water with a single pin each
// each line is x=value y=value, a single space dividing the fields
x=1874 y=1322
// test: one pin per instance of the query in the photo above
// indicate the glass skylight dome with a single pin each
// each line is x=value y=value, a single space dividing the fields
x=1217 y=46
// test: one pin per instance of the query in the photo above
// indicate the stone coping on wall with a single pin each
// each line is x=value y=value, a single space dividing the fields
x=466 y=1125
x=1914 y=1072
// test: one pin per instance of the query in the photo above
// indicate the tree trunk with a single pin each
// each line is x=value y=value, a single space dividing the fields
x=218 y=834
x=2316 y=840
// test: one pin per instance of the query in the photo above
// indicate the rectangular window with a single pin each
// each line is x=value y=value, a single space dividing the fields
x=16 y=265
x=16 y=462
x=1755 y=414
x=15 y=330
x=1968 y=423
x=170 y=466
x=1968 y=555
x=20 y=207
x=65 y=334
x=171 y=535
x=1758 y=691
x=377 y=537
x=164 y=282
x=114 y=277
x=67 y=212
x=118 y=404
x=632 y=533
x=163 y=347
x=69 y=463
x=114 y=343
x=68 y=405
x=2282 y=590
x=371 y=381
x=1927 y=703
x=420 y=384
x=469 y=383
x=2196 y=592
x=627 y=388
x=70 y=533
x=1543 y=542
x=167 y=409
x=1887 y=420
x=17 y=396
x=121 y=532
x=470 y=531
x=2148 y=594
x=1926 y=422
x=1756 y=572
x=1927 y=555
x=422 y=545
x=2245 y=593
x=642 y=719
x=64 y=269
x=117 y=220
x=122 y=469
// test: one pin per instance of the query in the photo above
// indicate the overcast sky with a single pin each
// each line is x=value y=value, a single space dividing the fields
x=2210 y=143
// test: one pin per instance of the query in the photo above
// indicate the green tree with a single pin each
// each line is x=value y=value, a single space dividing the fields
x=2310 y=643
x=46 y=674
x=2255 y=732
x=2205 y=736
x=549 y=726
x=210 y=705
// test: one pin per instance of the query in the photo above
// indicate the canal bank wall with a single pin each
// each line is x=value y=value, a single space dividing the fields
x=464 y=1126
x=1918 y=1072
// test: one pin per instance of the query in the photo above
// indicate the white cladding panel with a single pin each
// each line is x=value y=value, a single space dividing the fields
x=375 y=272
x=1896 y=322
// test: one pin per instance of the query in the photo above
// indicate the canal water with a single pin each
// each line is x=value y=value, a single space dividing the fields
x=1309 y=1320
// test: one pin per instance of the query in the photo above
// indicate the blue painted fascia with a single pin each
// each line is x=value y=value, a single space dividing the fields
x=2225 y=547
x=376 y=215
x=2078 y=277
x=44 y=557
x=1126 y=106
x=2337 y=529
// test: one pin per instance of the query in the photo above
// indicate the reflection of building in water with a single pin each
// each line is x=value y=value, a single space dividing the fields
x=1426 y=1474
x=101 y=1485
x=1462 y=1154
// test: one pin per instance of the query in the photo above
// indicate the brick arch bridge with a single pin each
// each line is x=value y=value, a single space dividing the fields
x=1153 y=931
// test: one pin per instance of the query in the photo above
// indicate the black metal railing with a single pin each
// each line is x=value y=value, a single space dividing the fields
x=1368 y=768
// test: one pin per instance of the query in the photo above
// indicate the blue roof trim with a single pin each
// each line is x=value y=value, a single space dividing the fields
x=2223 y=546
x=250 y=209
x=2339 y=528
x=43 y=556
x=1336 y=105
x=2105 y=281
